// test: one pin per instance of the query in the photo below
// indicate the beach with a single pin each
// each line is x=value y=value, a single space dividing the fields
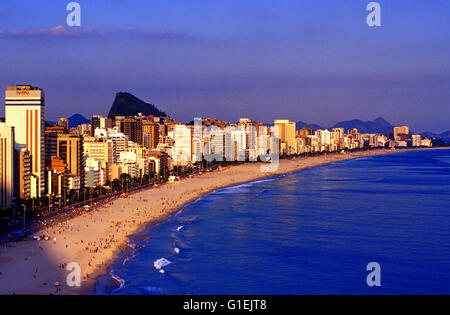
x=95 y=239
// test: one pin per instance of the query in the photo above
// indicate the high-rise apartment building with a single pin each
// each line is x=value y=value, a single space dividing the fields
x=181 y=152
x=25 y=111
x=401 y=133
x=6 y=165
x=286 y=132
x=23 y=178
x=150 y=128
x=70 y=150
x=130 y=126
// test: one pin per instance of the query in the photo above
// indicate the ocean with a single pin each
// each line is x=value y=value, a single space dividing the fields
x=313 y=231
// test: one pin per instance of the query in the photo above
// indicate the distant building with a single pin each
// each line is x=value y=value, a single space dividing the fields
x=426 y=143
x=83 y=130
x=416 y=140
x=150 y=131
x=305 y=132
x=131 y=127
x=100 y=122
x=181 y=152
x=286 y=131
x=64 y=123
x=401 y=133
x=70 y=150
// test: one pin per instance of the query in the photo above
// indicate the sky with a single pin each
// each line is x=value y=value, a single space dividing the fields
x=314 y=61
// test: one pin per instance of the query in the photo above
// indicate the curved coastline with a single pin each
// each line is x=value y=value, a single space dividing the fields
x=122 y=257
x=168 y=199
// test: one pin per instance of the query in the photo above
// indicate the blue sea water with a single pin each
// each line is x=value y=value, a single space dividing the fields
x=309 y=232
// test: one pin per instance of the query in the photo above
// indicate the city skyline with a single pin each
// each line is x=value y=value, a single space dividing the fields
x=318 y=63
x=52 y=160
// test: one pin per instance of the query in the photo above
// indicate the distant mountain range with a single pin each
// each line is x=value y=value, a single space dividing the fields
x=127 y=104
x=300 y=124
x=379 y=125
x=445 y=136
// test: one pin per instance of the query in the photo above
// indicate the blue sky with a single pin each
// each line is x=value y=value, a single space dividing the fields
x=315 y=61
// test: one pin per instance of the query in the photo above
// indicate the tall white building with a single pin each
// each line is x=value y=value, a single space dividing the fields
x=181 y=151
x=25 y=112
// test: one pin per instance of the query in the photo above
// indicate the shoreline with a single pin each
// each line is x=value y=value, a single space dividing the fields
x=98 y=239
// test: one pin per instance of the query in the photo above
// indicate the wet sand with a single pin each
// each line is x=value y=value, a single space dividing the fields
x=94 y=240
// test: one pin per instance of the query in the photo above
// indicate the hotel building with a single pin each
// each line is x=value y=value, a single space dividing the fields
x=25 y=112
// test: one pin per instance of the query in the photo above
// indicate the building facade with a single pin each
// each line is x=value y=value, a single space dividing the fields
x=25 y=111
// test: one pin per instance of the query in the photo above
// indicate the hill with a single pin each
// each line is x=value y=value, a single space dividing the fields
x=77 y=119
x=300 y=124
x=126 y=104
x=379 y=125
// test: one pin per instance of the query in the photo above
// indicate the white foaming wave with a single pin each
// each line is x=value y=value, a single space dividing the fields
x=234 y=190
x=160 y=263
x=264 y=181
x=119 y=280
x=127 y=259
x=242 y=187
x=180 y=228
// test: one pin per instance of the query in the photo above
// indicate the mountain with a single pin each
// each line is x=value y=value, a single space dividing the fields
x=77 y=119
x=379 y=125
x=445 y=136
x=300 y=124
x=127 y=104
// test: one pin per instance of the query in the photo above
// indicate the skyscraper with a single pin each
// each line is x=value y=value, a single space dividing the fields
x=286 y=134
x=70 y=150
x=6 y=165
x=25 y=112
x=151 y=128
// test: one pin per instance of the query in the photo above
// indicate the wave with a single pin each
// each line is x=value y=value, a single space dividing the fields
x=161 y=263
x=153 y=290
x=119 y=280
x=127 y=259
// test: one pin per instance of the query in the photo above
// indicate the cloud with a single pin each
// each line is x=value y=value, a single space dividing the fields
x=61 y=31
x=54 y=31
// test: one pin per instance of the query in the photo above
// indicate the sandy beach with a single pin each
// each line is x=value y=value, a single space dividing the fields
x=94 y=240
